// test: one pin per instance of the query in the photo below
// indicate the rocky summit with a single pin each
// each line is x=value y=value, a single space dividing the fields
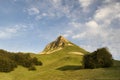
x=56 y=45
x=59 y=44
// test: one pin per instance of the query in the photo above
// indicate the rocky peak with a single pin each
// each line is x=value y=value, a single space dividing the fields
x=60 y=42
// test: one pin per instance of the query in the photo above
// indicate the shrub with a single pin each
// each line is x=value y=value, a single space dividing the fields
x=36 y=62
x=32 y=68
x=97 y=59
x=10 y=60
x=7 y=65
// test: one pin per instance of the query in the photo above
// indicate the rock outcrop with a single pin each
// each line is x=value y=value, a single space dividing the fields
x=56 y=45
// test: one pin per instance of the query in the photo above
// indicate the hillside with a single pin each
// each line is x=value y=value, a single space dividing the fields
x=62 y=52
x=57 y=69
x=62 y=60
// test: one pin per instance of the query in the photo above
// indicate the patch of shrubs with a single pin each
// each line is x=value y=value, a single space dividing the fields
x=100 y=58
x=7 y=65
x=9 y=61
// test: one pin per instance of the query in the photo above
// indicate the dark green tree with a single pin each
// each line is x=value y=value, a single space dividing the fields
x=99 y=58
x=10 y=60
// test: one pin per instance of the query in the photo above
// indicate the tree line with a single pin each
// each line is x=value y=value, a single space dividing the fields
x=10 y=60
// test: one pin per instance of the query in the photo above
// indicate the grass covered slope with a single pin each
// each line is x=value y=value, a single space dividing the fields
x=62 y=65
x=62 y=68
x=60 y=59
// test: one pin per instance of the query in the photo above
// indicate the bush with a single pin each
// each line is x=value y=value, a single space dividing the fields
x=36 y=62
x=10 y=60
x=7 y=65
x=23 y=59
x=97 y=59
x=32 y=68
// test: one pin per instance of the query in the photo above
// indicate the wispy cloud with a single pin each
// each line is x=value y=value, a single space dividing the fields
x=55 y=9
x=86 y=3
x=107 y=13
x=33 y=11
x=12 y=31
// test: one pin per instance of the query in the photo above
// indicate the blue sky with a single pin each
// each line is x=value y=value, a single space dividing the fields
x=28 y=25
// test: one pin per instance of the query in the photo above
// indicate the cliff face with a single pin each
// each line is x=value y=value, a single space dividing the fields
x=59 y=42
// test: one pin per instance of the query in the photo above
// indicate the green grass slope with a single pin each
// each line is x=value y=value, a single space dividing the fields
x=62 y=57
x=51 y=72
x=62 y=65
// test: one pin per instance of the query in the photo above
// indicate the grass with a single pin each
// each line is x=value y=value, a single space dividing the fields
x=63 y=66
x=52 y=73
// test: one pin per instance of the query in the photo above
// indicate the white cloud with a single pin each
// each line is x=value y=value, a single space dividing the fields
x=75 y=24
x=9 y=32
x=83 y=31
x=81 y=35
x=85 y=3
x=68 y=33
x=107 y=13
x=33 y=11
x=43 y=15
x=92 y=24
x=55 y=9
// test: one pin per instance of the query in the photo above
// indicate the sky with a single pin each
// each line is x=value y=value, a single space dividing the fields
x=29 y=25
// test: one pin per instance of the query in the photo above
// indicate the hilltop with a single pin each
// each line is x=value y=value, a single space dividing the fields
x=62 y=43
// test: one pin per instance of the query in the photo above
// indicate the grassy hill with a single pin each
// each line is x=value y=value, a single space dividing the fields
x=51 y=72
x=63 y=65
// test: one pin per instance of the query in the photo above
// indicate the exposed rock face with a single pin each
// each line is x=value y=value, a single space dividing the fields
x=64 y=45
x=58 y=44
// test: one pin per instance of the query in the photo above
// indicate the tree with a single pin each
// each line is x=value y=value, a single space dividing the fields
x=36 y=62
x=10 y=60
x=99 y=58
x=7 y=65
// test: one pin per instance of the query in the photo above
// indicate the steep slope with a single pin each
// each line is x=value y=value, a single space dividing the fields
x=63 y=44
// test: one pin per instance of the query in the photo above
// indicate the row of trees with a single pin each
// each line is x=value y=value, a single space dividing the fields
x=99 y=58
x=9 y=61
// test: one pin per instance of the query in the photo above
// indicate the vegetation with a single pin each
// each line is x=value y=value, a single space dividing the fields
x=10 y=60
x=69 y=70
x=98 y=59
x=62 y=66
